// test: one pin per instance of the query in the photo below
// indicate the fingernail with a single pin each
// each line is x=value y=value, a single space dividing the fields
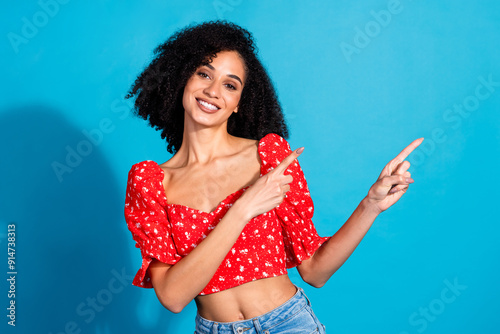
x=409 y=180
x=299 y=150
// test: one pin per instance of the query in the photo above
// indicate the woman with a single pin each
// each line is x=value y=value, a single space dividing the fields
x=222 y=220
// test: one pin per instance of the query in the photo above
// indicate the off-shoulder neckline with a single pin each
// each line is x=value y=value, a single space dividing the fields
x=221 y=202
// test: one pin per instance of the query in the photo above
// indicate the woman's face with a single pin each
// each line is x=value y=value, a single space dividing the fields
x=213 y=92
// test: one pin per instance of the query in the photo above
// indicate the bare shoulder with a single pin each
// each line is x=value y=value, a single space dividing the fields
x=170 y=163
x=170 y=168
x=246 y=145
x=243 y=140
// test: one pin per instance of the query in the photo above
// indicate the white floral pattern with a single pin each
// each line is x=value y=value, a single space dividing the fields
x=269 y=244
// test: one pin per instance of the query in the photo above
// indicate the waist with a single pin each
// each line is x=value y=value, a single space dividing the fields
x=246 y=301
x=295 y=315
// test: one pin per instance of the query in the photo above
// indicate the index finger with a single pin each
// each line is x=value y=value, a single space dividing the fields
x=283 y=165
x=394 y=163
x=407 y=150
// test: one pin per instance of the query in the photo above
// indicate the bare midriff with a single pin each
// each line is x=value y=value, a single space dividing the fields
x=246 y=301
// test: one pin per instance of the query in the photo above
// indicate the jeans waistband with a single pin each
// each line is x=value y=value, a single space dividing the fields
x=271 y=318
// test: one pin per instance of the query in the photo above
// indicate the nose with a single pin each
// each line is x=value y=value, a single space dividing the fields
x=212 y=89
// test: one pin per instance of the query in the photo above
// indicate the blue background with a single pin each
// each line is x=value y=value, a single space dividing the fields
x=355 y=92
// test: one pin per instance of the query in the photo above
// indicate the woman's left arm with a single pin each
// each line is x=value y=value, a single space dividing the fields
x=387 y=190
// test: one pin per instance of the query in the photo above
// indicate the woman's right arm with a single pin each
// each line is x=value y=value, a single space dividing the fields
x=176 y=285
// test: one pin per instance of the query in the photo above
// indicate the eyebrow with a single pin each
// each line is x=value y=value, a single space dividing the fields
x=229 y=75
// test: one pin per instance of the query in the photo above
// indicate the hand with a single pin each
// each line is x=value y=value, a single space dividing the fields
x=269 y=190
x=393 y=181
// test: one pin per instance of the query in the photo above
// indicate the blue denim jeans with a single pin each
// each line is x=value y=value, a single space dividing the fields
x=293 y=316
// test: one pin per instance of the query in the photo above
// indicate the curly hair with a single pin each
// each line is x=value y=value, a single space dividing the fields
x=160 y=87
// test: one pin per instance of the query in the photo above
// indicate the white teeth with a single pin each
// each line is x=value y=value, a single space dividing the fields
x=208 y=105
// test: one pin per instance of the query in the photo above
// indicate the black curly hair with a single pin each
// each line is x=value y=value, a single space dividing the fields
x=160 y=87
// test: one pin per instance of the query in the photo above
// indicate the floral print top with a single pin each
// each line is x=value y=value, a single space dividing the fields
x=269 y=244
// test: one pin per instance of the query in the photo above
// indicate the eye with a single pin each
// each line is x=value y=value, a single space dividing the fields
x=230 y=87
x=203 y=75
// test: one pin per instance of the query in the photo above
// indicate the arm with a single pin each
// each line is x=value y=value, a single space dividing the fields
x=387 y=190
x=335 y=251
x=176 y=285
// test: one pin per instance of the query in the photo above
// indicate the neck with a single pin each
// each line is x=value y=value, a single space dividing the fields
x=201 y=145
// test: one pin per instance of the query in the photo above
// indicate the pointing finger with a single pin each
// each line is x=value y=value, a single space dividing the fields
x=280 y=169
x=407 y=150
x=393 y=164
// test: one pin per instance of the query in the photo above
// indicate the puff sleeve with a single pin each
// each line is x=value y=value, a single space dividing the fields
x=295 y=213
x=147 y=219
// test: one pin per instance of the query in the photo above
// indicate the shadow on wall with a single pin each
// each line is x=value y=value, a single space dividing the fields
x=73 y=249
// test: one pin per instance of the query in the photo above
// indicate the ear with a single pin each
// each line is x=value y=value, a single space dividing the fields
x=236 y=110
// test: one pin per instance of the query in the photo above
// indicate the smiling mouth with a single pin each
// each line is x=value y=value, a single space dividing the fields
x=209 y=106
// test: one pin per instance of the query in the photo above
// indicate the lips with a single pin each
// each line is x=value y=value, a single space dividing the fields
x=207 y=106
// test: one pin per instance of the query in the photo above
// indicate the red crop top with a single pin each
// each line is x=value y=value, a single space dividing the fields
x=268 y=245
